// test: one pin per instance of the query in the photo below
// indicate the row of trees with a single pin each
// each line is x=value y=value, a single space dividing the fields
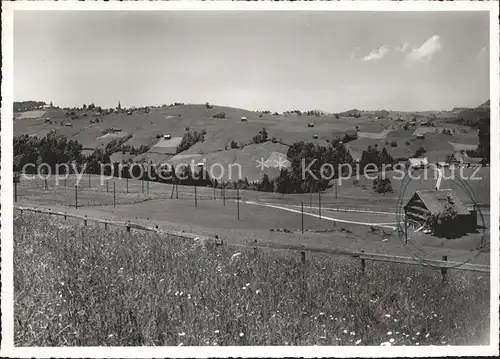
x=189 y=139
x=51 y=150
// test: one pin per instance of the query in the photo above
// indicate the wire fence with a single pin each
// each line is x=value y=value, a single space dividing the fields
x=443 y=265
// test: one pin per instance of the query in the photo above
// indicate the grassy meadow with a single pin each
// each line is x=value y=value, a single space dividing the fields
x=87 y=286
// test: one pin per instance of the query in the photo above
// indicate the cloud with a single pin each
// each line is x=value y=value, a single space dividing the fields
x=426 y=50
x=403 y=47
x=377 y=54
x=353 y=54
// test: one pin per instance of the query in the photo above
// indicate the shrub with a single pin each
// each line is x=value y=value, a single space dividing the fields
x=382 y=185
x=394 y=144
x=234 y=144
x=261 y=137
x=420 y=151
x=220 y=115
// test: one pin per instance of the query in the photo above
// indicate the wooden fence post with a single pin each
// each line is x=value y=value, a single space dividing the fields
x=303 y=292
x=114 y=194
x=147 y=182
x=255 y=248
x=176 y=190
x=105 y=225
x=195 y=196
x=126 y=183
x=127 y=225
x=76 y=196
x=444 y=271
x=363 y=265
x=213 y=182
x=89 y=178
x=85 y=220
x=142 y=185
x=319 y=201
x=45 y=182
x=238 y=200
x=107 y=186
x=15 y=190
x=223 y=189
x=406 y=229
x=65 y=178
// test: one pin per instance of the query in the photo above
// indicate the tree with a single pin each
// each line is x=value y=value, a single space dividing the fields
x=420 y=151
x=385 y=158
x=382 y=185
x=484 y=138
x=265 y=185
x=261 y=137
x=444 y=223
x=234 y=144
x=284 y=183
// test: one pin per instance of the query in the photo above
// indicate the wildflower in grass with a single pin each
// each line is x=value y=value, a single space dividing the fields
x=234 y=256
x=358 y=341
x=216 y=331
x=385 y=344
x=248 y=284
x=110 y=336
x=352 y=333
x=257 y=291
x=345 y=331
x=242 y=335
x=180 y=344
x=321 y=313
x=389 y=333
x=427 y=335
x=182 y=334
x=62 y=283
x=189 y=296
x=417 y=343
x=391 y=340
x=387 y=315
x=180 y=294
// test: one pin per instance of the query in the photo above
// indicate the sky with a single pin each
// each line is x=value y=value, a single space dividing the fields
x=279 y=60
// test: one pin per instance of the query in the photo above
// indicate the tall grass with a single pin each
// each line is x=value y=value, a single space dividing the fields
x=80 y=286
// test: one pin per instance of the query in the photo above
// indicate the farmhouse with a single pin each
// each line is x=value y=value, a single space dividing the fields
x=424 y=203
x=418 y=162
x=243 y=119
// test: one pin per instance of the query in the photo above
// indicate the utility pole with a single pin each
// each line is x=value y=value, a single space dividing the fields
x=302 y=214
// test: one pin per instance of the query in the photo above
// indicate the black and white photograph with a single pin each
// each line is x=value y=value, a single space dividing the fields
x=264 y=180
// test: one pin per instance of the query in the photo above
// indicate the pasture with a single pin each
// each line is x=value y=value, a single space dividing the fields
x=259 y=215
x=96 y=287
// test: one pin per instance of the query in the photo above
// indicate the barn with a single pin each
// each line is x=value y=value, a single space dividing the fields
x=426 y=202
x=417 y=162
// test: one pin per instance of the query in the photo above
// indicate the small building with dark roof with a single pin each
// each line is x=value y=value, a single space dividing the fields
x=427 y=202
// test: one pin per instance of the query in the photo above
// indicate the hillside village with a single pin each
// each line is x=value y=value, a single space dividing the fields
x=179 y=132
